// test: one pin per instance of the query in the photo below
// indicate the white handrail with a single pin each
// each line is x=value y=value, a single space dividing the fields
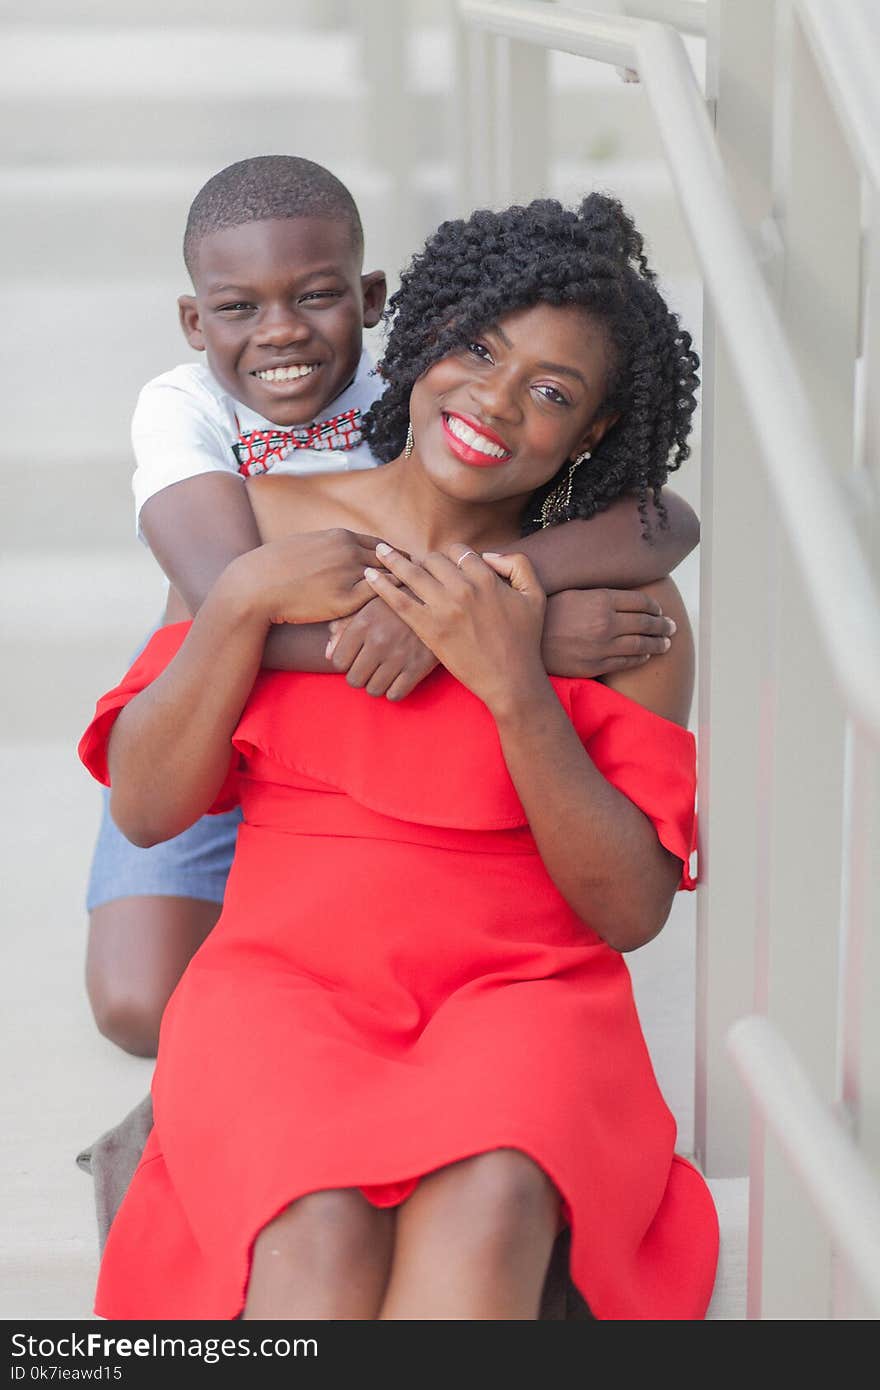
x=845 y=45
x=811 y=507
x=687 y=15
x=818 y=1149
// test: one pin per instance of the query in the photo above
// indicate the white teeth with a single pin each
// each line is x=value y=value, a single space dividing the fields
x=469 y=436
x=286 y=373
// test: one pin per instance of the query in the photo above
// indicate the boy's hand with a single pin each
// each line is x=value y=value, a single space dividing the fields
x=307 y=578
x=379 y=652
x=591 y=632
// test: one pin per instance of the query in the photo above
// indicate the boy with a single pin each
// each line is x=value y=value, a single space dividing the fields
x=274 y=247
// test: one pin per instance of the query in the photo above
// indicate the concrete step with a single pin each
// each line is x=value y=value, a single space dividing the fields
x=70 y=633
x=115 y=221
x=94 y=222
x=172 y=14
x=66 y=1084
x=139 y=96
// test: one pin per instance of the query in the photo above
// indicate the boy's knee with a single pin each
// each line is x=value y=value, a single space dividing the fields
x=129 y=1020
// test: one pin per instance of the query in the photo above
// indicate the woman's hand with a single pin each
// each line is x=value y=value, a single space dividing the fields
x=307 y=578
x=481 y=616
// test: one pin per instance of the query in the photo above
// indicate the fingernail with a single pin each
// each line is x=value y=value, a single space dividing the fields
x=666 y=644
x=491 y=555
x=383 y=549
x=670 y=626
x=370 y=573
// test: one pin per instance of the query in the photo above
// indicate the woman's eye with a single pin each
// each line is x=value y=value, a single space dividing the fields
x=551 y=394
x=480 y=350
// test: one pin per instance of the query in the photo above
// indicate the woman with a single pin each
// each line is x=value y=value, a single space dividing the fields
x=420 y=951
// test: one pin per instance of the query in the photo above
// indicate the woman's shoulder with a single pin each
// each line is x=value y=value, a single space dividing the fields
x=665 y=684
x=284 y=503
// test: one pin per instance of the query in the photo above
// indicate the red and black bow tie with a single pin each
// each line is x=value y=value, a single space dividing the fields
x=258 y=450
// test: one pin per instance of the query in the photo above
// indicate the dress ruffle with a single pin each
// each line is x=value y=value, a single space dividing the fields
x=299 y=721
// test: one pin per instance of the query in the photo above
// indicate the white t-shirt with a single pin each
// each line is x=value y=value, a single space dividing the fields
x=185 y=424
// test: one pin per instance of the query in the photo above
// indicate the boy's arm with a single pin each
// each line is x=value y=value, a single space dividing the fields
x=610 y=550
x=195 y=528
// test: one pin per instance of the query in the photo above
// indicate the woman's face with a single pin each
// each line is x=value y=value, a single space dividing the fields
x=498 y=417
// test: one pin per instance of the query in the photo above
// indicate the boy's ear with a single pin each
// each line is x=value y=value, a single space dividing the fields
x=188 y=311
x=374 y=288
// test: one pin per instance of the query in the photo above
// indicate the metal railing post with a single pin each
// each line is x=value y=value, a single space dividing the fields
x=733 y=614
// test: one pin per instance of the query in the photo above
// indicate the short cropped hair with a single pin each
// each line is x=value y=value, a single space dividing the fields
x=268 y=186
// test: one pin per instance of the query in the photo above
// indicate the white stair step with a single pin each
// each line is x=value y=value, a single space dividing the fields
x=67 y=1084
x=108 y=222
x=93 y=222
x=146 y=95
x=116 y=63
x=171 y=14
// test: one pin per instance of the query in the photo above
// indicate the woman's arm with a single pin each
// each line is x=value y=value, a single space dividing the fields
x=195 y=528
x=170 y=749
x=611 y=549
x=600 y=850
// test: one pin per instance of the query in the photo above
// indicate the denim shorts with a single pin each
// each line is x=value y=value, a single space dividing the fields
x=192 y=865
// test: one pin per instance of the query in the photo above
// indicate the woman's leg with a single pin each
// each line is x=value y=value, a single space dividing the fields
x=326 y=1256
x=474 y=1241
x=138 y=949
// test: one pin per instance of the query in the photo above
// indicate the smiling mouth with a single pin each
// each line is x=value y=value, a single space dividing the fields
x=284 y=374
x=471 y=445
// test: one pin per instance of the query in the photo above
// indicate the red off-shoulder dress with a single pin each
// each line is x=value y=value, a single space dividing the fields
x=395 y=984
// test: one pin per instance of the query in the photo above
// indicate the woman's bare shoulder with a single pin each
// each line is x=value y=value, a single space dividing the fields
x=665 y=684
x=285 y=503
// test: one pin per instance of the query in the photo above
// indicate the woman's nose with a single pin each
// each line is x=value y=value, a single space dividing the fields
x=280 y=327
x=495 y=394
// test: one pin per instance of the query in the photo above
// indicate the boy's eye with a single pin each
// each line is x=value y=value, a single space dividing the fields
x=320 y=294
x=234 y=308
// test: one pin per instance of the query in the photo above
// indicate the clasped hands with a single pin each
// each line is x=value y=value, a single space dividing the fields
x=481 y=616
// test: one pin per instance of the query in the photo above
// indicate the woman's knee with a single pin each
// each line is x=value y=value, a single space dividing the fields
x=327 y=1228
x=502 y=1197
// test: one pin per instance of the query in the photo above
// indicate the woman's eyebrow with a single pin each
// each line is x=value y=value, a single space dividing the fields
x=545 y=366
x=563 y=371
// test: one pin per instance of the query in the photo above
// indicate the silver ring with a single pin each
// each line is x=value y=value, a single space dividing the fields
x=463 y=557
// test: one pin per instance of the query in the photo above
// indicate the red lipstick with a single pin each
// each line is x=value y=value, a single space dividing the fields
x=474 y=457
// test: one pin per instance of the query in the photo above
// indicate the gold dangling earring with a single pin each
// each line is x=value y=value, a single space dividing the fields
x=410 y=442
x=556 y=502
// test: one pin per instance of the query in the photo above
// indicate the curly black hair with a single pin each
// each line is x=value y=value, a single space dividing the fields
x=474 y=272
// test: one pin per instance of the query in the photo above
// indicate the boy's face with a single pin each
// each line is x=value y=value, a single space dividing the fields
x=279 y=308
